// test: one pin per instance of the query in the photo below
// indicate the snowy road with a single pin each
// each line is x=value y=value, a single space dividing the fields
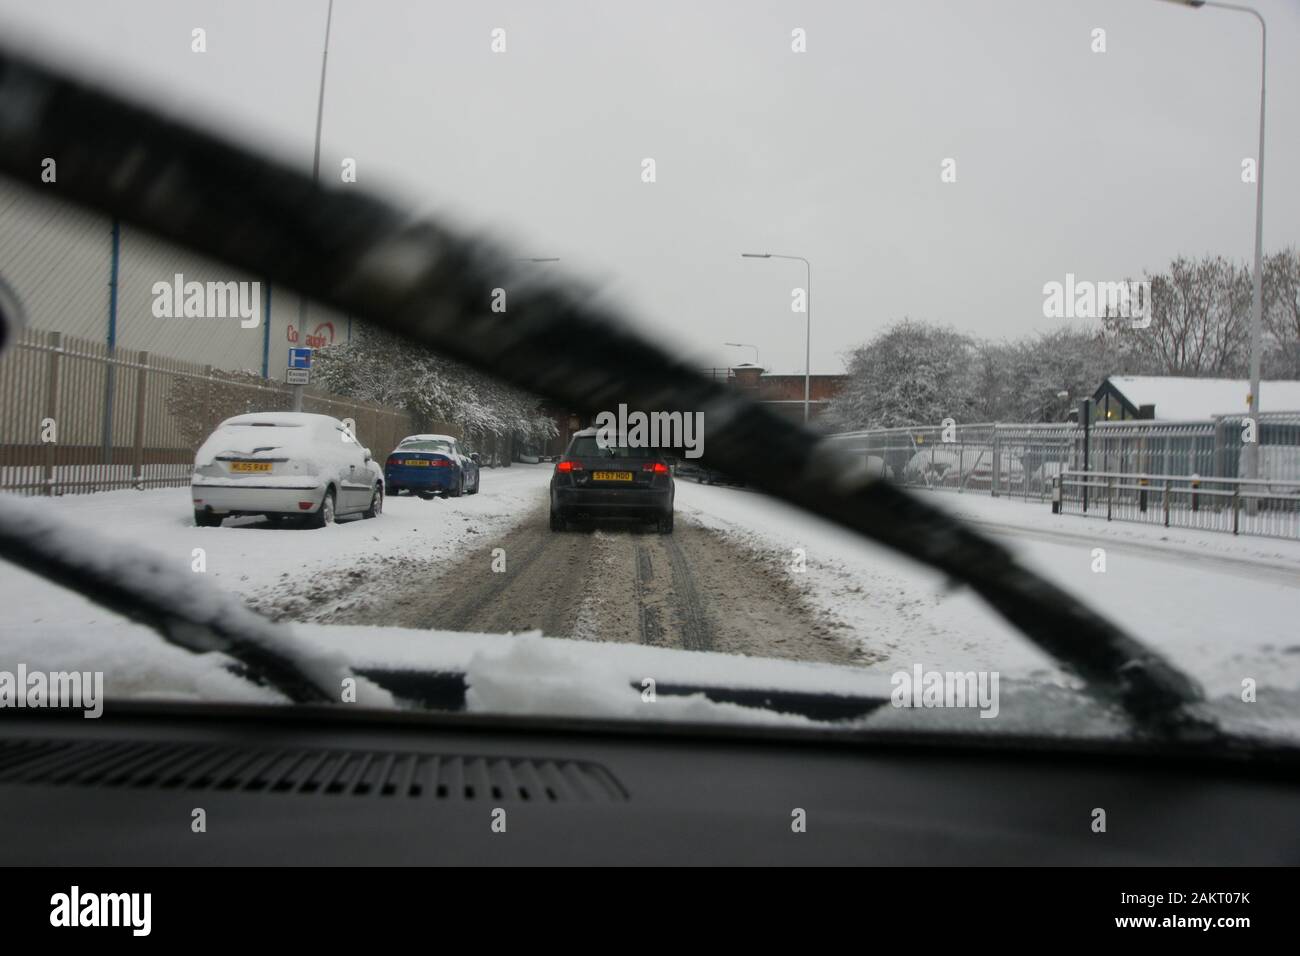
x=742 y=574
x=694 y=590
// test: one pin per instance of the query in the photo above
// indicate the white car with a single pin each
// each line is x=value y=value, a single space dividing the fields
x=284 y=463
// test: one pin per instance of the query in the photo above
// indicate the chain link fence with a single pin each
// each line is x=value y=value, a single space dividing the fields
x=1022 y=460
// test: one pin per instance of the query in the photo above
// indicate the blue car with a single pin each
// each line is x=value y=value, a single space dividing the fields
x=428 y=465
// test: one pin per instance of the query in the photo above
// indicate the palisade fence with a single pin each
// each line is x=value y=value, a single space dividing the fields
x=76 y=416
x=1128 y=462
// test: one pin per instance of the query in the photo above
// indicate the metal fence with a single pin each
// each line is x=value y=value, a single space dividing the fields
x=1268 y=507
x=1022 y=460
x=992 y=458
x=76 y=416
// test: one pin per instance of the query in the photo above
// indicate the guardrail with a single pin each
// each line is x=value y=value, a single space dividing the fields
x=1268 y=507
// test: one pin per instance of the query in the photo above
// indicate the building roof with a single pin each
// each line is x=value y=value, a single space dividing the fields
x=800 y=374
x=1200 y=399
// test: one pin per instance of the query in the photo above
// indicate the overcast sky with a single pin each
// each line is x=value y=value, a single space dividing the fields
x=1100 y=164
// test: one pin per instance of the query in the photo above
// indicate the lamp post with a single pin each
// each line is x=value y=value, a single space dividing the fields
x=807 y=354
x=315 y=176
x=1257 y=293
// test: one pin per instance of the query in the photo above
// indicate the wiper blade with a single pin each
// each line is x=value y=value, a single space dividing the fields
x=446 y=690
x=364 y=257
x=180 y=605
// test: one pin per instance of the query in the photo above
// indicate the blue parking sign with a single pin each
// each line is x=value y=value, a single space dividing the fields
x=299 y=358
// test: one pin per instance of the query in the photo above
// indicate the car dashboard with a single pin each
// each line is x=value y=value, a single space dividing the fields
x=321 y=785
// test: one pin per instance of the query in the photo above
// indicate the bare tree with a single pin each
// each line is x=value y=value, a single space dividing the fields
x=1282 y=314
x=1200 y=318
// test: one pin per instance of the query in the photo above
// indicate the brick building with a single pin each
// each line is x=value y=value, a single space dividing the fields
x=780 y=391
x=783 y=391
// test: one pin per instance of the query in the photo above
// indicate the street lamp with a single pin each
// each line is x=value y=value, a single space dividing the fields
x=1257 y=294
x=315 y=177
x=807 y=354
x=744 y=345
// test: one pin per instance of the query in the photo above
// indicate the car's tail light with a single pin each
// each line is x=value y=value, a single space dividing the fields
x=306 y=505
x=439 y=463
x=568 y=466
x=658 y=467
x=393 y=461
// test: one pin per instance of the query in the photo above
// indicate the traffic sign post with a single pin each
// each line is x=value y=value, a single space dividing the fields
x=298 y=374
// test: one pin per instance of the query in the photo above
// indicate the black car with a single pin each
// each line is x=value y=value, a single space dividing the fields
x=603 y=480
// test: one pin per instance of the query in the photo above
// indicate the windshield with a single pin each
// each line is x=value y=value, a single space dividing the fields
x=441 y=446
x=1028 y=461
x=592 y=447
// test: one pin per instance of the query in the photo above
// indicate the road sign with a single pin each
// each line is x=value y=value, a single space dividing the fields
x=299 y=358
x=297 y=376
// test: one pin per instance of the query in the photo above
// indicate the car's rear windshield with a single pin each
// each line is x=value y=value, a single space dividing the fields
x=589 y=447
x=425 y=446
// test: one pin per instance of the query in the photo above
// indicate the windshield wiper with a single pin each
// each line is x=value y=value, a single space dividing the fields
x=366 y=258
x=181 y=606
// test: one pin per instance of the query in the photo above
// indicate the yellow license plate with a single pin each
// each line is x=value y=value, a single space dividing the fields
x=250 y=466
x=416 y=461
x=611 y=475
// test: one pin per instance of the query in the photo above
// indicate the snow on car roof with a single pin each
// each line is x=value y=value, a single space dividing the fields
x=410 y=438
x=279 y=418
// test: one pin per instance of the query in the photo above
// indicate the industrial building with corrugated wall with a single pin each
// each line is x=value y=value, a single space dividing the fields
x=62 y=263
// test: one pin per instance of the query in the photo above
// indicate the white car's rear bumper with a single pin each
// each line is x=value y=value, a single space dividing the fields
x=250 y=499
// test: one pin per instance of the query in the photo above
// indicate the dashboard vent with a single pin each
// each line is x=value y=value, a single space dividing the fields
x=344 y=773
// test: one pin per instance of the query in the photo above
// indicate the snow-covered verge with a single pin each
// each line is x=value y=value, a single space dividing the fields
x=1010 y=514
x=1223 y=621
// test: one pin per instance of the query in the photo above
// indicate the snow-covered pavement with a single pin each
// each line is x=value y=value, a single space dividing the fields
x=1222 y=608
x=247 y=555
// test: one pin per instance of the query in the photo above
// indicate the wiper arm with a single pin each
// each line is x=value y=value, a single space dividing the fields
x=366 y=258
x=180 y=605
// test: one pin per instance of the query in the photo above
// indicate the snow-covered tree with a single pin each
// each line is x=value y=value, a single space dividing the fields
x=383 y=368
x=912 y=373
